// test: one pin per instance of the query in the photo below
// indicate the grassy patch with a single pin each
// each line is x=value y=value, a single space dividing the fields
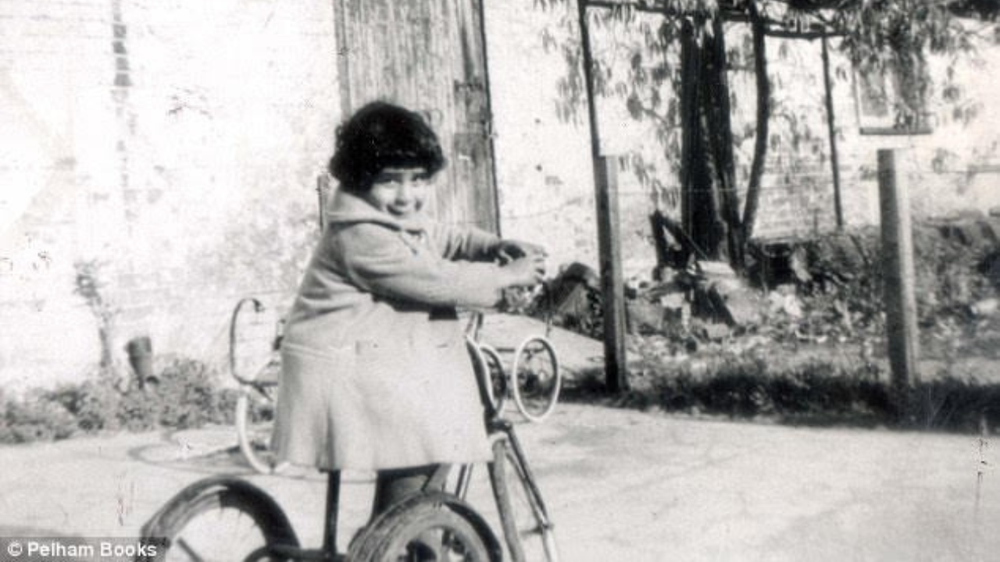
x=815 y=392
x=817 y=354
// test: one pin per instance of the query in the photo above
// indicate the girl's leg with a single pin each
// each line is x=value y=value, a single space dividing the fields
x=392 y=485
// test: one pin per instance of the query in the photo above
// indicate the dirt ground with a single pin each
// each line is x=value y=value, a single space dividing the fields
x=621 y=485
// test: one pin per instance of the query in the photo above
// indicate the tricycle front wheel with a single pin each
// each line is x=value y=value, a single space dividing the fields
x=220 y=519
x=535 y=379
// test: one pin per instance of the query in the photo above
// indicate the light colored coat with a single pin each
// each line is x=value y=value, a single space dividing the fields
x=375 y=372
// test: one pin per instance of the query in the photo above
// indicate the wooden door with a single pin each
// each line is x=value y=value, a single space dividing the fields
x=428 y=56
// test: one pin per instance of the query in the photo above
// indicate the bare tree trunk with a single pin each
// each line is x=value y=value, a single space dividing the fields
x=763 y=115
x=105 y=338
x=699 y=204
x=720 y=139
x=710 y=203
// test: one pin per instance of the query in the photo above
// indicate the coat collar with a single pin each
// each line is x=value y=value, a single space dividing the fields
x=348 y=208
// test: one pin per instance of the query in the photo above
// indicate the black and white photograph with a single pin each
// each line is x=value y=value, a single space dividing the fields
x=499 y=280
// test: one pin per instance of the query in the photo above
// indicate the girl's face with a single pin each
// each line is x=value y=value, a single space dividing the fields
x=400 y=192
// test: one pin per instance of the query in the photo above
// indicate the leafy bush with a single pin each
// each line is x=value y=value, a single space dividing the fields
x=138 y=411
x=848 y=277
x=36 y=417
x=183 y=395
x=94 y=403
x=844 y=297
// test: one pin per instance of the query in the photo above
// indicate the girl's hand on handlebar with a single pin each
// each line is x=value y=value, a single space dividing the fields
x=526 y=271
x=510 y=250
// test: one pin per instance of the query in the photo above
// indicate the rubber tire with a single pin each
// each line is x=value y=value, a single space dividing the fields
x=387 y=536
x=170 y=521
x=261 y=461
x=533 y=414
x=508 y=480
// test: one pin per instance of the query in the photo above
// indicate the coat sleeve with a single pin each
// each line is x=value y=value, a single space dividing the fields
x=378 y=260
x=465 y=243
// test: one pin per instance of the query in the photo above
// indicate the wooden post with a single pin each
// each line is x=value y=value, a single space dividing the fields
x=612 y=283
x=900 y=297
x=606 y=192
x=340 y=18
x=323 y=197
x=488 y=118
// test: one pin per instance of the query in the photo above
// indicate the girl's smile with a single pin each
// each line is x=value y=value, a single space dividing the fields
x=400 y=192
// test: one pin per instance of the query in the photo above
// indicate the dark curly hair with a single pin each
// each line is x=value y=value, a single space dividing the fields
x=382 y=135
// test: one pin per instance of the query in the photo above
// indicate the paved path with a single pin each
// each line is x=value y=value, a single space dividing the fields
x=623 y=485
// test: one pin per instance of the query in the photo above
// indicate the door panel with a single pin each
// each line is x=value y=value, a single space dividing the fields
x=428 y=56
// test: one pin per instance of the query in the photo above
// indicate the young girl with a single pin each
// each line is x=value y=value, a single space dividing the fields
x=376 y=375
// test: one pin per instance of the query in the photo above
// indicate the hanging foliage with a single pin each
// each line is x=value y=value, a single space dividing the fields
x=684 y=50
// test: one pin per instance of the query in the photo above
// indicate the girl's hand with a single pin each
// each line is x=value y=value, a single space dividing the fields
x=526 y=271
x=509 y=250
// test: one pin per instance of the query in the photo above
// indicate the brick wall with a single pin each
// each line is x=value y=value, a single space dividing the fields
x=797 y=187
x=953 y=169
x=177 y=144
x=545 y=175
x=543 y=168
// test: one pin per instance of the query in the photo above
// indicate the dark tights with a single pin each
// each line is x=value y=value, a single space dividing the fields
x=395 y=484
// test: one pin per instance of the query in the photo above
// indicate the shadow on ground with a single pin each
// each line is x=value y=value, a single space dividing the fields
x=209 y=455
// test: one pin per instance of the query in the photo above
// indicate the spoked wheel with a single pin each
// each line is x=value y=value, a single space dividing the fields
x=223 y=524
x=535 y=378
x=427 y=528
x=254 y=423
x=527 y=529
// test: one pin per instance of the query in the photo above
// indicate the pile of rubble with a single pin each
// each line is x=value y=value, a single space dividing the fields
x=816 y=291
x=706 y=302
